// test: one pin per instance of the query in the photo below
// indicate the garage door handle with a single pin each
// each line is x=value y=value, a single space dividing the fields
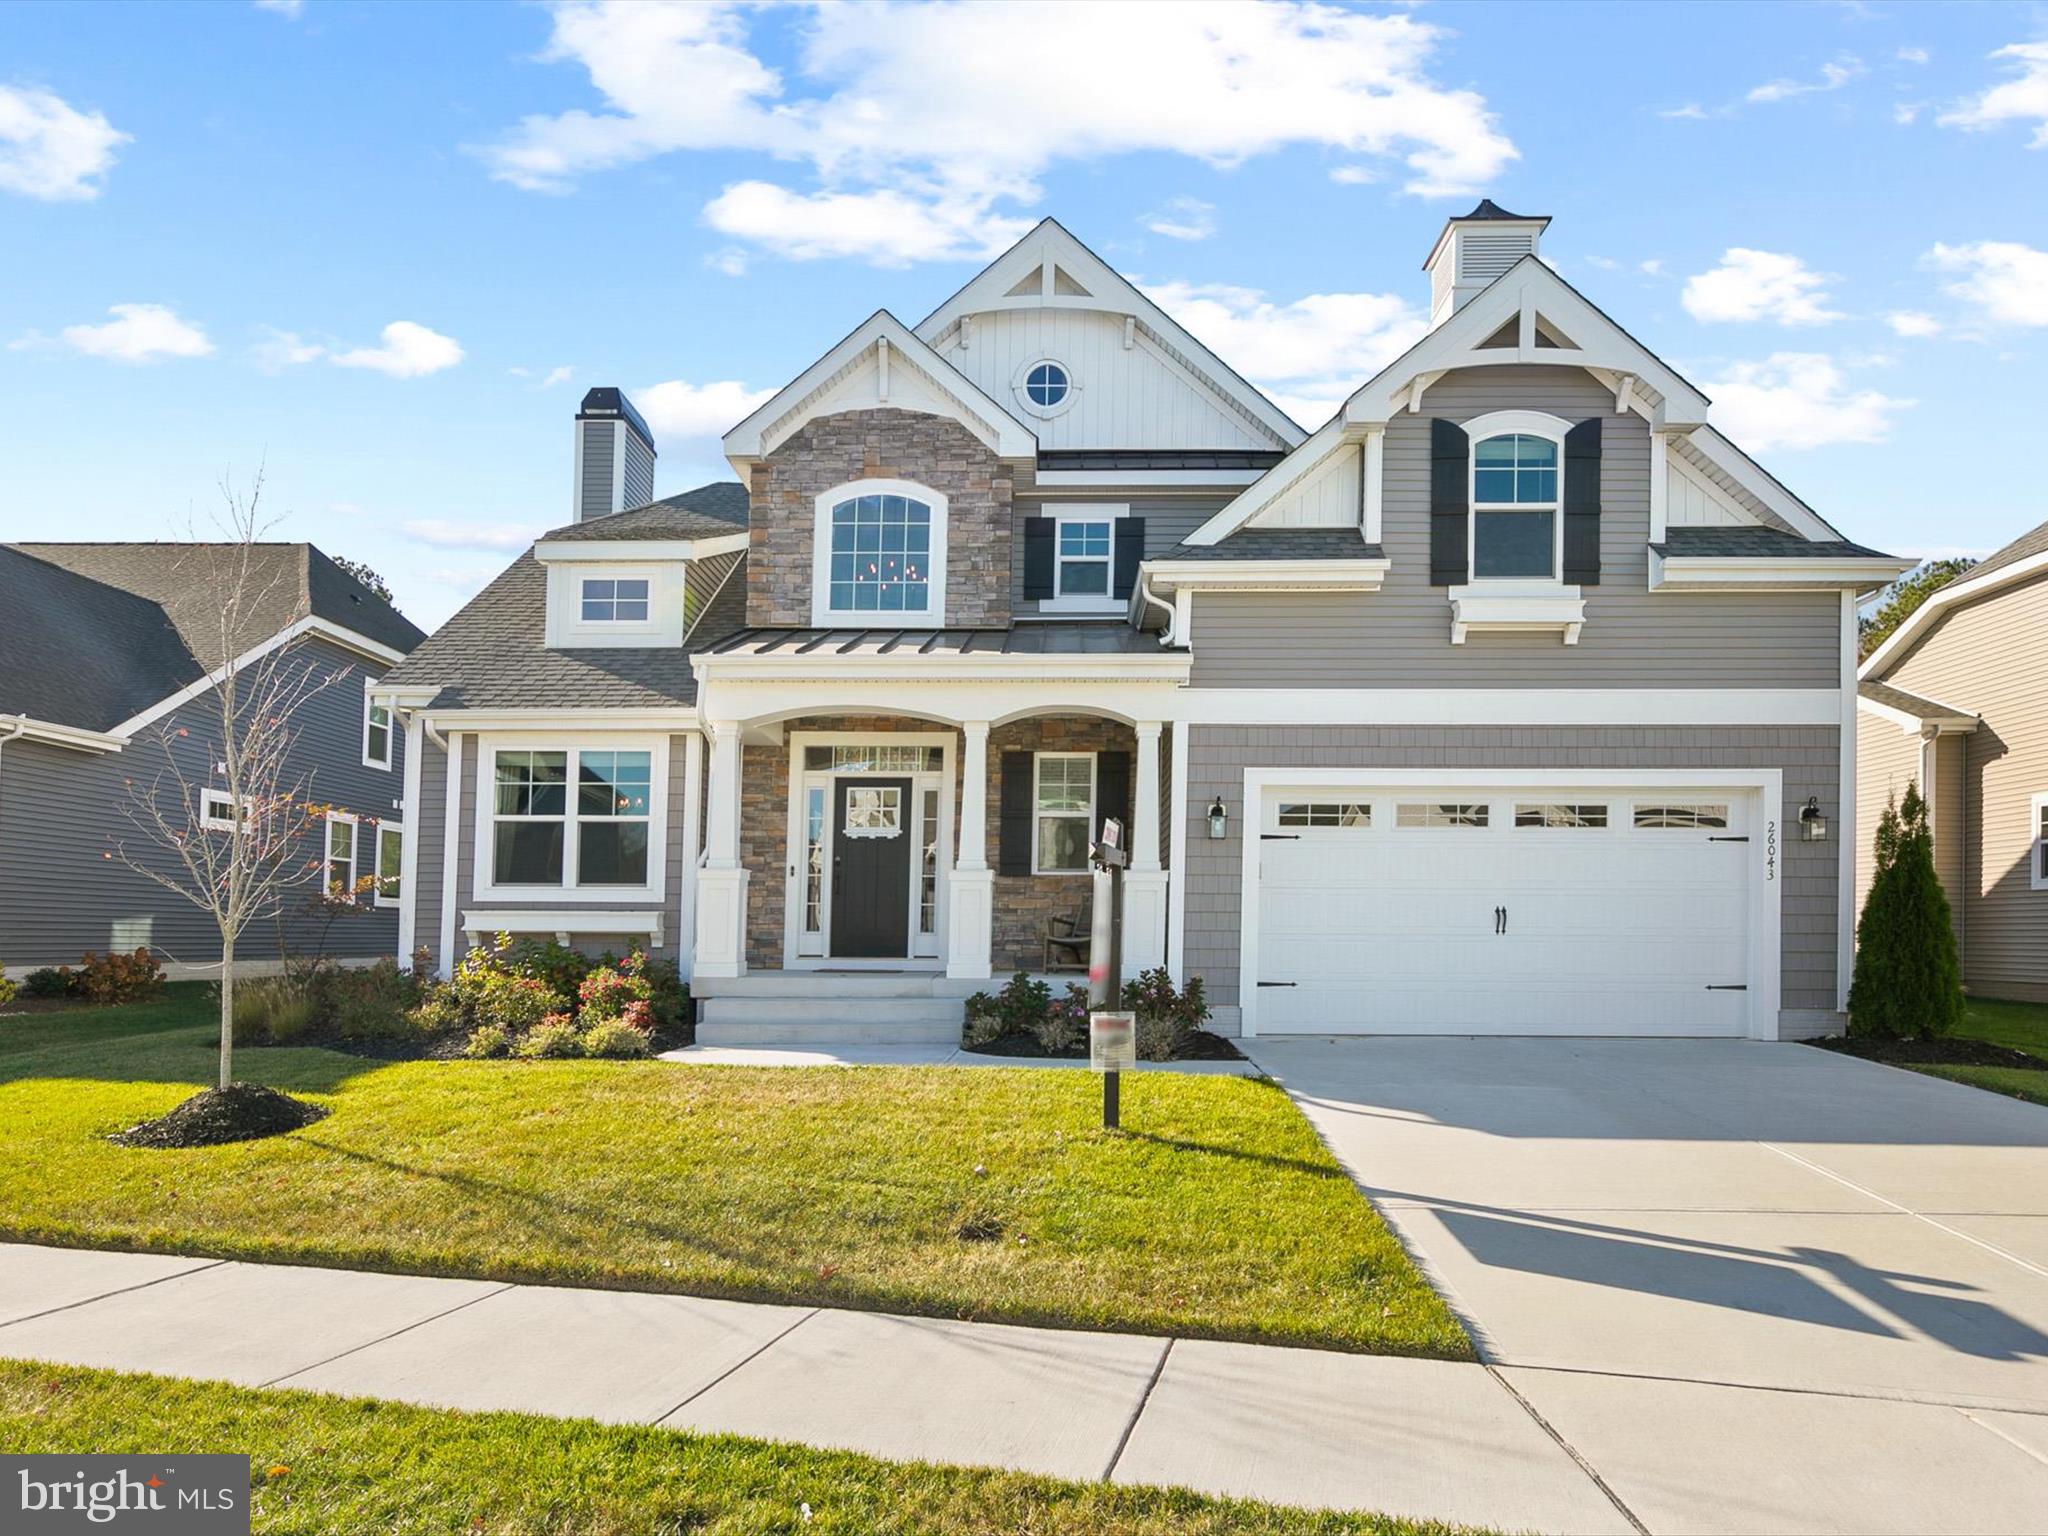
x=1500 y=919
x=1279 y=983
x=1727 y=839
x=1279 y=837
x=1740 y=986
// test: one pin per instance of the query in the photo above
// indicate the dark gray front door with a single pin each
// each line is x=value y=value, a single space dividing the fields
x=871 y=869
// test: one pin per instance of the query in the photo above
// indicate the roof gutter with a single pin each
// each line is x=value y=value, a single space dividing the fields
x=77 y=738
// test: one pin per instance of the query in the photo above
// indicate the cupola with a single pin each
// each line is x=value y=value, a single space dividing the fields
x=1475 y=249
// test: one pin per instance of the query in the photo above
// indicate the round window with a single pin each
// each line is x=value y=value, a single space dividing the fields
x=1046 y=385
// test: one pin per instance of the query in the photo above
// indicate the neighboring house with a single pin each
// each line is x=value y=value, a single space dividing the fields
x=109 y=659
x=1954 y=701
x=1490 y=706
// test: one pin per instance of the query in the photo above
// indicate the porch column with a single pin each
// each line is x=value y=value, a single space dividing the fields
x=970 y=914
x=722 y=883
x=1145 y=881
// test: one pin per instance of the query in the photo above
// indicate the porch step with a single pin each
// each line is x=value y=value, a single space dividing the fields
x=834 y=985
x=855 y=1019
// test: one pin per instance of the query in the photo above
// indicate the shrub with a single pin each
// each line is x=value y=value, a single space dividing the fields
x=1062 y=1028
x=1907 y=983
x=984 y=1021
x=107 y=980
x=554 y=1036
x=50 y=981
x=439 y=1013
x=670 y=994
x=271 y=1010
x=551 y=962
x=373 y=1003
x=487 y=1040
x=1168 y=1016
x=7 y=989
x=615 y=1037
x=613 y=986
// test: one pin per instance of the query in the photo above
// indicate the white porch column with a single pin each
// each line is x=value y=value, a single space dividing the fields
x=970 y=915
x=1145 y=881
x=722 y=883
x=693 y=823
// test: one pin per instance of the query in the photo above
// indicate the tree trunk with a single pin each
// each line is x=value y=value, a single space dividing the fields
x=227 y=1010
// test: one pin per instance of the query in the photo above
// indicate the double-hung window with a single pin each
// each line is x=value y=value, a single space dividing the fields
x=1082 y=559
x=338 y=865
x=376 y=734
x=1516 y=481
x=2037 y=852
x=390 y=862
x=572 y=818
x=1063 y=800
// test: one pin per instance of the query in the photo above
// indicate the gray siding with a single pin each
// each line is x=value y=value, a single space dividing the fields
x=702 y=580
x=1168 y=521
x=1977 y=659
x=598 y=437
x=65 y=887
x=1400 y=636
x=429 y=834
x=1218 y=756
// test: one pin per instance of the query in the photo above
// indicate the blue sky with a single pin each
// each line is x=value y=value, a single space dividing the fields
x=382 y=249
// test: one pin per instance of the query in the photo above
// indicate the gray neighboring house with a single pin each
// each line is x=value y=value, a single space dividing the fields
x=108 y=652
x=1513 y=699
x=1953 y=700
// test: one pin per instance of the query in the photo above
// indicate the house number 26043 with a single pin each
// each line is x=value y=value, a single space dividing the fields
x=1770 y=850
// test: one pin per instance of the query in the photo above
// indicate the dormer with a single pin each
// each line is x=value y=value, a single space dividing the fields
x=627 y=593
x=1475 y=249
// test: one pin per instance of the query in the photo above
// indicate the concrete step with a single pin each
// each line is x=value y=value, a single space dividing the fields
x=826 y=986
x=824 y=1032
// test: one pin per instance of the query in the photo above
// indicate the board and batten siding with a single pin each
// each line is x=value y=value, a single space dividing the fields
x=1168 y=521
x=1219 y=755
x=65 y=887
x=1400 y=636
x=1973 y=659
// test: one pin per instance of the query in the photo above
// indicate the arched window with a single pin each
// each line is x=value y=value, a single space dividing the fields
x=1516 y=497
x=881 y=555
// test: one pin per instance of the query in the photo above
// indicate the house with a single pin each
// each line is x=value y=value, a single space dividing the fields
x=1488 y=706
x=1953 y=702
x=109 y=659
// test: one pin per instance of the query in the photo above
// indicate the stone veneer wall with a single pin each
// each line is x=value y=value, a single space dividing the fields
x=1022 y=903
x=869 y=445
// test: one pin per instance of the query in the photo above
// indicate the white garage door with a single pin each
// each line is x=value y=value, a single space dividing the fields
x=1502 y=910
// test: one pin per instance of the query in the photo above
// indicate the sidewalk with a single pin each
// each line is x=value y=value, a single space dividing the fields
x=918 y=1056
x=1423 y=1438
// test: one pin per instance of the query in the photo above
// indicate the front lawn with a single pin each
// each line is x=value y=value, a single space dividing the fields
x=987 y=1193
x=324 y=1465
x=2017 y=1026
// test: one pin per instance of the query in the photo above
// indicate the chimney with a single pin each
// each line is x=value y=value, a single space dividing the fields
x=1474 y=250
x=614 y=456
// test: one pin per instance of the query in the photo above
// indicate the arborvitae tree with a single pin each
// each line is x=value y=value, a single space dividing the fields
x=1908 y=983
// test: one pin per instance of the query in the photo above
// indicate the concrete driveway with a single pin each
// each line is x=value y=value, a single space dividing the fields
x=1752 y=1287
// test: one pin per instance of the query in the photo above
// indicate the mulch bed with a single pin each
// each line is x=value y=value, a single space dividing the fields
x=1935 y=1053
x=1202 y=1046
x=239 y=1112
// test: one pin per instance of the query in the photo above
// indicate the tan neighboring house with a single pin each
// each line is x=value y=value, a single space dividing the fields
x=1954 y=700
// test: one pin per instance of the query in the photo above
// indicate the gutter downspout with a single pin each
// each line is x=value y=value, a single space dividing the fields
x=1145 y=592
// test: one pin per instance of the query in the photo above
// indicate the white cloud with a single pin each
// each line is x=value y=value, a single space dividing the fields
x=1604 y=263
x=561 y=375
x=1183 y=218
x=291 y=8
x=1692 y=111
x=1354 y=175
x=1833 y=76
x=410 y=351
x=1912 y=322
x=2005 y=279
x=51 y=150
x=939 y=114
x=1653 y=267
x=1759 y=285
x=678 y=409
x=1913 y=55
x=1798 y=400
x=1907 y=113
x=280 y=350
x=140 y=333
x=2022 y=99
x=443 y=534
x=1308 y=354
x=732 y=261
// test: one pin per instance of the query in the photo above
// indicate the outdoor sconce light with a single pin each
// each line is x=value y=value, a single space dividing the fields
x=1813 y=827
x=1219 y=820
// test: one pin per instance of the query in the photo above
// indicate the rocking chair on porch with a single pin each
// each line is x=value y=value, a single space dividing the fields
x=1067 y=934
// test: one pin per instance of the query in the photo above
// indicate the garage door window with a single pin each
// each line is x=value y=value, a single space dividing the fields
x=1683 y=817
x=1438 y=814
x=1325 y=813
x=1549 y=815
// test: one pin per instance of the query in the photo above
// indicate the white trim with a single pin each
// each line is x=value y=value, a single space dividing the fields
x=1964 y=588
x=409 y=863
x=1177 y=858
x=451 y=850
x=1660 y=487
x=1142 y=479
x=562 y=923
x=370 y=705
x=1085 y=602
x=617 y=551
x=823 y=614
x=674 y=718
x=1789 y=573
x=2035 y=880
x=1017 y=667
x=1364 y=574
x=1507 y=706
x=320 y=628
x=1038 y=812
x=377 y=831
x=1019 y=388
x=1551 y=429
x=1500 y=605
x=1845 y=811
x=329 y=821
x=76 y=738
x=212 y=804
x=1765 y=885
x=484 y=884
x=1956 y=721
x=565 y=628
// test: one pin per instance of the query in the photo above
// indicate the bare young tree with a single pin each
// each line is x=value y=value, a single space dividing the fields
x=229 y=824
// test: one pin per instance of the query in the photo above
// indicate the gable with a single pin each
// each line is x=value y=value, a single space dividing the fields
x=1699 y=497
x=1327 y=496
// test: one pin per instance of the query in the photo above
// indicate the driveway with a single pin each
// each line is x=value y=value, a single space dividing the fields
x=1752 y=1287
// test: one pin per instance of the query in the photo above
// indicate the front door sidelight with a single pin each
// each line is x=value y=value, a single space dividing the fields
x=871 y=859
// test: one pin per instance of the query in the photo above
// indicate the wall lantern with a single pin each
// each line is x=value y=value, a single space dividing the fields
x=1813 y=827
x=1219 y=820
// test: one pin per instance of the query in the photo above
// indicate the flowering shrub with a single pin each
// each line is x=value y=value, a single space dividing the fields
x=6 y=989
x=609 y=989
x=104 y=980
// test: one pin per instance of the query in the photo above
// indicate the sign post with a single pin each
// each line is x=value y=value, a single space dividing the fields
x=1112 y=1033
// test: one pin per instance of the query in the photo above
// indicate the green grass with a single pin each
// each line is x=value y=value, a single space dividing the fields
x=1217 y=1213
x=2022 y=1026
x=183 y=1005
x=329 y=1465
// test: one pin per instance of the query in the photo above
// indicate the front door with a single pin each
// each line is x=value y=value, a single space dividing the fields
x=871 y=869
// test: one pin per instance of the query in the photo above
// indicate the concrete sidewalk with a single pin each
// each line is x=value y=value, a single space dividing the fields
x=1428 y=1439
x=917 y=1056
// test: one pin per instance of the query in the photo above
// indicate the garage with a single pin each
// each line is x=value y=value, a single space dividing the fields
x=1544 y=908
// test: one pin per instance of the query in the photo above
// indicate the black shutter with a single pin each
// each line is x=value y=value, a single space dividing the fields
x=1582 y=504
x=1449 y=503
x=1013 y=846
x=1112 y=793
x=1130 y=550
x=1039 y=533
